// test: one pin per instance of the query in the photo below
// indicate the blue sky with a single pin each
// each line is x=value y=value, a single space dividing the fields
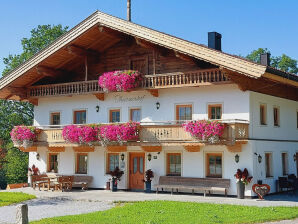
x=245 y=25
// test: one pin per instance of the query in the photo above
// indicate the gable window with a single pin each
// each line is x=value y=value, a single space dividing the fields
x=112 y=161
x=81 y=163
x=214 y=111
x=79 y=117
x=276 y=116
x=174 y=164
x=263 y=117
x=183 y=112
x=53 y=162
x=214 y=165
x=135 y=114
x=55 y=118
x=284 y=162
x=268 y=164
x=114 y=116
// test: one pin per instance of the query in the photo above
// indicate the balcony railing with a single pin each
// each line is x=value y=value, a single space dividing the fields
x=179 y=79
x=162 y=133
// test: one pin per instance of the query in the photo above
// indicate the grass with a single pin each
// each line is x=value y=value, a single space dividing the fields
x=8 y=198
x=179 y=212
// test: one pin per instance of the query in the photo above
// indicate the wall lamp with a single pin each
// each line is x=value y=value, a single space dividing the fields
x=37 y=156
x=157 y=105
x=97 y=108
x=259 y=157
x=237 y=158
x=122 y=157
x=149 y=157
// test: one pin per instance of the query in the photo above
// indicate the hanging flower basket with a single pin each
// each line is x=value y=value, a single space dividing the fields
x=118 y=133
x=80 y=134
x=23 y=136
x=204 y=130
x=117 y=81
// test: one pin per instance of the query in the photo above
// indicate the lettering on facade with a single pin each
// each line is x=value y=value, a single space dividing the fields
x=121 y=99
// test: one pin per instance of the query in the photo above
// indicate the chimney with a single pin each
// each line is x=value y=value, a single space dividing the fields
x=129 y=10
x=214 y=40
x=265 y=59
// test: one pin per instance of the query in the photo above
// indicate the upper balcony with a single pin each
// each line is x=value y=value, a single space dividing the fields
x=149 y=82
x=159 y=134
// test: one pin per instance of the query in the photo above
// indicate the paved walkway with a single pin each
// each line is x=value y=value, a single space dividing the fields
x=50 y=204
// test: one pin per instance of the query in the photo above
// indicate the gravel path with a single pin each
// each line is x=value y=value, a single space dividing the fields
x=51 y=207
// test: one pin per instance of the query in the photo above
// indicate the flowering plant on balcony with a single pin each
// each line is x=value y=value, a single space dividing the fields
x=205 y=130
x=23 y=135
x=119 y=80
x=118 y=132
x=80 y=134
x=242 y=176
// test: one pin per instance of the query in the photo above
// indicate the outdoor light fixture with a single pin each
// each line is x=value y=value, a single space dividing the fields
x=149 y=157
x=157 y=105
x=259 y=157
x=97 y=108
x=237 y=158
x=37 y=156
x=122 y=157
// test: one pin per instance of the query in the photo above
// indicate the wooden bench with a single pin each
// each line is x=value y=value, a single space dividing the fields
x=63 y=183
x=190 y=183
x=82 y=181
x=39 y=180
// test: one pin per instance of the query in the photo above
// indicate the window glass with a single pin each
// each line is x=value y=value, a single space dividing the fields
x=80 y=117
x=183 y=112
x=53 y=163
x=284 y=160
x=135 y=114
x=263 y=115
x=113 y=162
x=114 y=116
x=174 y=164
x=276 y=116
x=268 y=164
x=214 y=112
x=141 y=164
x=214 y=165
x=55 y=118
x=82 y=163
x=135 y=164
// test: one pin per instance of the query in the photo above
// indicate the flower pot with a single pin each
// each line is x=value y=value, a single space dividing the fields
x=17 y=143
x=240 y=189
x=114 y=185
x=27 y=143
x=148 y=186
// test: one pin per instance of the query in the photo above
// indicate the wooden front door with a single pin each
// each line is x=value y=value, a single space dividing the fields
x=136 y=170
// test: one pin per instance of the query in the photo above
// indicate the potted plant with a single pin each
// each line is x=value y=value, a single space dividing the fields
x=148 y=178
x=23 y=136
x=116 y=175
x=242 y=179
x=84 y=135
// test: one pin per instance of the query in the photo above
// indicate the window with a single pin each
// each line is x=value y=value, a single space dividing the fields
x=112 y=161
x=284 y=161
x=214 y=111
x=174 y=164
x=115 y=116
x=263 y=117
x=55 y=118
x=135 y=114
x=214 y=165
x=183 y=112
x=276 y=116
x=268 y=164
x=81 y=163
x=53 y=162
x=79 y=117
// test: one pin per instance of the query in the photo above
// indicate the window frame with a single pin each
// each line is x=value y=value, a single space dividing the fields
x=110 y=115
x=168 y=164
x=74 y=115
x=208 y=167
x=215 y=105
x=77 y=162
x=135 y=108
x=263 y=116
x=177 y=106
x=51 y=117
x=108 y=160
x=278 y=116
x=269 y=162
x=49 y=162
x=285 y=166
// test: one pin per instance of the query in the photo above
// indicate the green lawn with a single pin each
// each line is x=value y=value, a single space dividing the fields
x=179 y=212
x=7 y=198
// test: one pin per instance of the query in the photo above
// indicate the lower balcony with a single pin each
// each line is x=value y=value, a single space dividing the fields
x=157 y=134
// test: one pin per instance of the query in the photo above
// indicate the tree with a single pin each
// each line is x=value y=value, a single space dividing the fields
x=283 y=62
x=17 y=113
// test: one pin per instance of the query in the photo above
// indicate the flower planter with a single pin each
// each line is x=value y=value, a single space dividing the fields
x=148 y=186
x=240 y=189
x=114 y=185
x=27 y=143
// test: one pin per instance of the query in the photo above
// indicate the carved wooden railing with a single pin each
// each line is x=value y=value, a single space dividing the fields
x=179 y=79
x=165 y=133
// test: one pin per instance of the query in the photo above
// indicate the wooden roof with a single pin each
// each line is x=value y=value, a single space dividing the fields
x=91 y=34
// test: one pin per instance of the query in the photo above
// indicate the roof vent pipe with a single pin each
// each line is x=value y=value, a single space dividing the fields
x=214 y=40
x=129 y=10
x=265 y=59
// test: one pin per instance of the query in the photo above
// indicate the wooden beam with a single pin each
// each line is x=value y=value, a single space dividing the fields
x=145 y=44
x=193 y=148
x=47 y=72
x=33 y=101
x=116 y=148
x=30 y=149
x=111 y=33
x=17 y=91
x=81 y=52
x=184 y=57
x=152 y=148
x=153 y=92
x=100 y=96
x=56 y=149
x=83 y=149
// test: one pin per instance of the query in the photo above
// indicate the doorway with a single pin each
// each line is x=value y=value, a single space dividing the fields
x=136 y=171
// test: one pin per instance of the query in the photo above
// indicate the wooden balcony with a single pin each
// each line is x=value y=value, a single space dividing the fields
x=159 y=81
x=164 y=134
